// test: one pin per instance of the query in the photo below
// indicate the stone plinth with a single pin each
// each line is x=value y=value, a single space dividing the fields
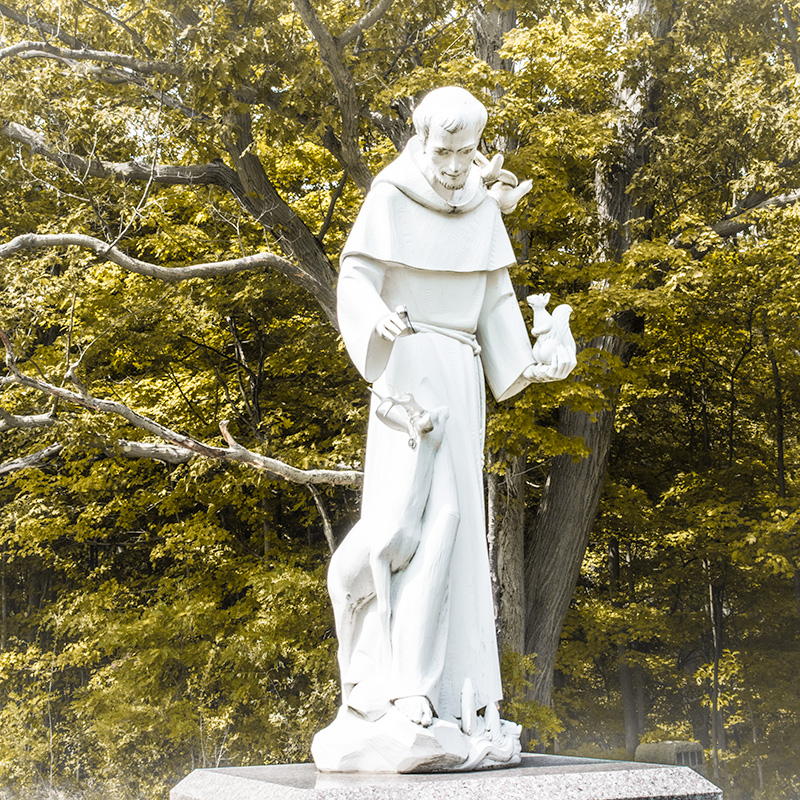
x=538 y=777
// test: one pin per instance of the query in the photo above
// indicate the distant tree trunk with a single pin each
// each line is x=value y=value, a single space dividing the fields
x=641 y=700
x=716 y=591
x=754 y=730
x=506 y=512
x=626 y=687
x=626 y=683
x=3 y=600
x=780 y=428
x=506 y=492
x=572 y=492
x=780 y=443
x=797 y=587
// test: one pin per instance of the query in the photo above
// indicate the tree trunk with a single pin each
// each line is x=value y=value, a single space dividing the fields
x=555 y=550
x=572 y=492
x=506 y=492
x=626 y=684
x=506 y=524
x=715 y=597
x=489 y=27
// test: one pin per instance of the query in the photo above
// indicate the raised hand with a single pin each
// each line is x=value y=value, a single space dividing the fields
x=393 y=325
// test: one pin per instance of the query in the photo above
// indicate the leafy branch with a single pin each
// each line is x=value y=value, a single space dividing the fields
x=33 y=49
x=212 y=269
x=215 y=173
x=738 y=220
x=332 y=56
x=235 y=452
x=249 y=184
x=28 y=20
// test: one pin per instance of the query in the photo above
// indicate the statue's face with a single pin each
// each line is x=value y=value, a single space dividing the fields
x=450 y=155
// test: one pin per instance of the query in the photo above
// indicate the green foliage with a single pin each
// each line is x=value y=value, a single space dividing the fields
x=203 y=637
x=517 y=670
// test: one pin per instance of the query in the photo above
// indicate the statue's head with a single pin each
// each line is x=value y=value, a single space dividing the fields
x=449 y=123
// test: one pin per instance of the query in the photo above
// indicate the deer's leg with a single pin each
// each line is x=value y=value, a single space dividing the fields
x=350 y=586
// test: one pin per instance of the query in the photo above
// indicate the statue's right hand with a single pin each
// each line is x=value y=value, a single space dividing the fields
x=392 y=325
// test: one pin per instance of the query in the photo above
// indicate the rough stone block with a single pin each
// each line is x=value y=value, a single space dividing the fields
x=537 y=777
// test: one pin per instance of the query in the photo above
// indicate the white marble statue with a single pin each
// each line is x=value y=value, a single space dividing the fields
x=427 y=310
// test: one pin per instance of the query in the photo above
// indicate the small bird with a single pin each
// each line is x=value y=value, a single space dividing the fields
x=502 y=185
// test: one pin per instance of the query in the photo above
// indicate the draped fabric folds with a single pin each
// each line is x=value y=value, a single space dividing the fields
x=448 y=266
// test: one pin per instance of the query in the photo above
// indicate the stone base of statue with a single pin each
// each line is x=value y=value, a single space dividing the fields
x=394 y=744
x=536 y=777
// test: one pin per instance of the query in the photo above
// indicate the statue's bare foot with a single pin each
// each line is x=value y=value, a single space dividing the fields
x=417 y=708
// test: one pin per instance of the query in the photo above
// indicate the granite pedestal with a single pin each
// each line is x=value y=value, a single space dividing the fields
x=538 y=777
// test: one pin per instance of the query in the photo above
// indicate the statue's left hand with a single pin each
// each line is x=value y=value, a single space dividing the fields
x=563 y=363
x=508 y=196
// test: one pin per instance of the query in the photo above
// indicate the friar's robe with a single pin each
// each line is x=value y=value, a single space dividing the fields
x=447 y=264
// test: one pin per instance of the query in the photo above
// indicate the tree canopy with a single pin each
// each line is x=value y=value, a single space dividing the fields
x=181 y=431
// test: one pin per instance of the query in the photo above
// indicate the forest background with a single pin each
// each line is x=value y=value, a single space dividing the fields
x=182 y=431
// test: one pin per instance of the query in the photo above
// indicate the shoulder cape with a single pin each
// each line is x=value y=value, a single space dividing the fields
x=403 y=221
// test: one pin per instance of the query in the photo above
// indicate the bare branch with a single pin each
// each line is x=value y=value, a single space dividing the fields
x=347 y=477
x=32 y=460
x=349 y=105
x=9 y=422
x=337 y=193
x=40 y=25
x=45 y=50
x=216 y=173
x=129 y=449
x=156 y=451
x=235 y=453
x=212 y=269
x=344 y=477
x=735 y=224
x=367 y=21
x=327 y=528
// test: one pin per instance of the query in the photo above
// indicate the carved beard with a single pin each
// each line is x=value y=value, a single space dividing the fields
x=449 y=183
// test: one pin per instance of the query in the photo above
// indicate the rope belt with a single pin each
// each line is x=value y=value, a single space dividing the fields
x=460 y=336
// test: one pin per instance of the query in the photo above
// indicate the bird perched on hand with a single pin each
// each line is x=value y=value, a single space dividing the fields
x=503 y=185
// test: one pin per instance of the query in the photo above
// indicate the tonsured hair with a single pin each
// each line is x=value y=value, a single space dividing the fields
x=450 y=107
